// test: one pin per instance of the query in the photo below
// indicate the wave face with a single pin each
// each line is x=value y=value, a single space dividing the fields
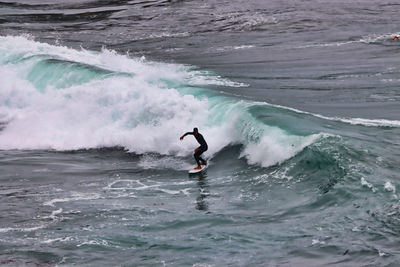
x=59 y=98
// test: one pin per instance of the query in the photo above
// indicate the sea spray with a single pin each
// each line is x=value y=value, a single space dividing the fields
x=64 y=99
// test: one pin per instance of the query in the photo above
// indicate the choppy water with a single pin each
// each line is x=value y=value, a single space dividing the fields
x=298 y=101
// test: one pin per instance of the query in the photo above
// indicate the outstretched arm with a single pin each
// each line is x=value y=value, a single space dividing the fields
x=186 y=134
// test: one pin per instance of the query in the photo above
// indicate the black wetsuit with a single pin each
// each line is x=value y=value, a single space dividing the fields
x=201 y=149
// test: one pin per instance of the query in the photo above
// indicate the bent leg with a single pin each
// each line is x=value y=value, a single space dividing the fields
x=203 y=162
x=198 y=157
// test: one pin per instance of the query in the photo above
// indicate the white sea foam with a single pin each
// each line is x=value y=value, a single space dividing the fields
x=95 y=243
x=75 y=197
x=168 y=35
x=54 y=214
x=367 y=122
x=373 y=38
x=230 y=48
x=41 y=170
x=364 y=182
x=382 y=254
x=60 y=239
x=328 y=44
x=22 y=229
x=353 y=121
x=144 y=112
x=124 y=185
x=317 y=242
x=270 y=151
x=390 y=187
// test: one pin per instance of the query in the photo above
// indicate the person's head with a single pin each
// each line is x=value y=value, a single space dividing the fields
x=195 y=130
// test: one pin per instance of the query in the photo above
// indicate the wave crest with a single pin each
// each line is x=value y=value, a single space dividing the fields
x=124 y=102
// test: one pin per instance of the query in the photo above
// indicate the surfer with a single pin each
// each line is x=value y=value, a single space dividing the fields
x=198 y=151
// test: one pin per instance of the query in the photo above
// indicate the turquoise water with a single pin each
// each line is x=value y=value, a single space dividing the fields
x=93 y=168
x=303 y=155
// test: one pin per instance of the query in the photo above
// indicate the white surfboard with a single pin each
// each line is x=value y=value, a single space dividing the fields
x=203 y=167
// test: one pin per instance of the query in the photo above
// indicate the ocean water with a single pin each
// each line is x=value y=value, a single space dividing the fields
x=298 y=101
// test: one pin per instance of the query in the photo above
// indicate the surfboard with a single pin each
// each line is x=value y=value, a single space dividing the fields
x=192 y=171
